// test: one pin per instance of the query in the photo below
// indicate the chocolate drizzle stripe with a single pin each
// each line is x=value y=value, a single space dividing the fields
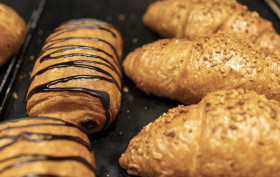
x=41 y=175
x=74 y=47
x=65 y=30
x=40 y=118
x=73 y=64
x=48 y=57
x=103 y=96
x=56 y=41
x=40 y=137
x=64 y=48
x=39 y=157
x=40 y=124
x=31 y=119
x=76 y=64
x=45 y=87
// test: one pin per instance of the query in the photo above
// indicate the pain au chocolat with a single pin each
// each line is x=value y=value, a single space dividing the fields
x=77 y=76
x=44 y=147
x=13 y=32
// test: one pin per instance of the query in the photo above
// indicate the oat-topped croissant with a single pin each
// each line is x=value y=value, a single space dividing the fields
x=229 y=133
x=40 y=146
x=193 y=19
x=77 y=76
x=13 y=32
x=187 y=70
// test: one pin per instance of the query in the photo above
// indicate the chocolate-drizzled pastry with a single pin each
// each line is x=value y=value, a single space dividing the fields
x=13 y=32
x=44 y=147
x=77 y=76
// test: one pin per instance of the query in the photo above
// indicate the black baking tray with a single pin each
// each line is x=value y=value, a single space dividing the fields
x=137 y=109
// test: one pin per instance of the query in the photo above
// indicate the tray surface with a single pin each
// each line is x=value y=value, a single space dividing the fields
x=137 y=109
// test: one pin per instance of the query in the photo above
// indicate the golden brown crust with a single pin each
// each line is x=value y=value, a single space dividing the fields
x=229 y=133
x=82 y=60
x=186 y=71
x=269 y=40
x=193 y=19
x=13 y=32
x=44 y=146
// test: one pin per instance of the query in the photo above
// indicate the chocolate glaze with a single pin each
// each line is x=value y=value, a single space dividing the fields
x=33 y=118
x=60 y=40
x=38 y=157
x=39 y=137
x=41 y=175
x=90 y=124
x=74 y=47
x=60 y=123
x=69 y=27
x=76 y=64
x=33 y=125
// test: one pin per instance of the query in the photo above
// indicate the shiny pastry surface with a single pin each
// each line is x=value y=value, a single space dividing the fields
x=44 y=147
x=193 y=19
x=13 y=32
x=230 y=133
x=186 y=70
x=77 y=76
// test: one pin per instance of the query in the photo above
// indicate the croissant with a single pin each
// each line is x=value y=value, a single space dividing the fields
x=44 y=147
x=231 y=133
x=77 y=76
x=193 y=19
x=13 y=32
x=187 y=70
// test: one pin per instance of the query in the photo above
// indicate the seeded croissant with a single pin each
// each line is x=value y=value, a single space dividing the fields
x=229 y=133
x=44 y=147
x=187 y=70
x=13 y=32
x=77 y=76
x=193 y=19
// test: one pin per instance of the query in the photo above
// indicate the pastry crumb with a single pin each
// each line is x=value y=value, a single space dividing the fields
x=134 y=40
x=22 y=76
x=145 y=107
x=15 y=95
x=120 y=133
x=128 y=111
x=125 y=89
x=40 y=31
x=121 y=17
x=32 y=57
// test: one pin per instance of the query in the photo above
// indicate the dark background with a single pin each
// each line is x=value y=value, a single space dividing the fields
x=137 y=109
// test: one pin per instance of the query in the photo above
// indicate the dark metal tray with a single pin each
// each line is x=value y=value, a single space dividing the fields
x=137 y=109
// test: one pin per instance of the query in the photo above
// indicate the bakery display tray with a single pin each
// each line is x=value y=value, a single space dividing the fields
x=137 y=109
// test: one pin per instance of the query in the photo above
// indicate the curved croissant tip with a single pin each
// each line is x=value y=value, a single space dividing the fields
x=123 y=161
